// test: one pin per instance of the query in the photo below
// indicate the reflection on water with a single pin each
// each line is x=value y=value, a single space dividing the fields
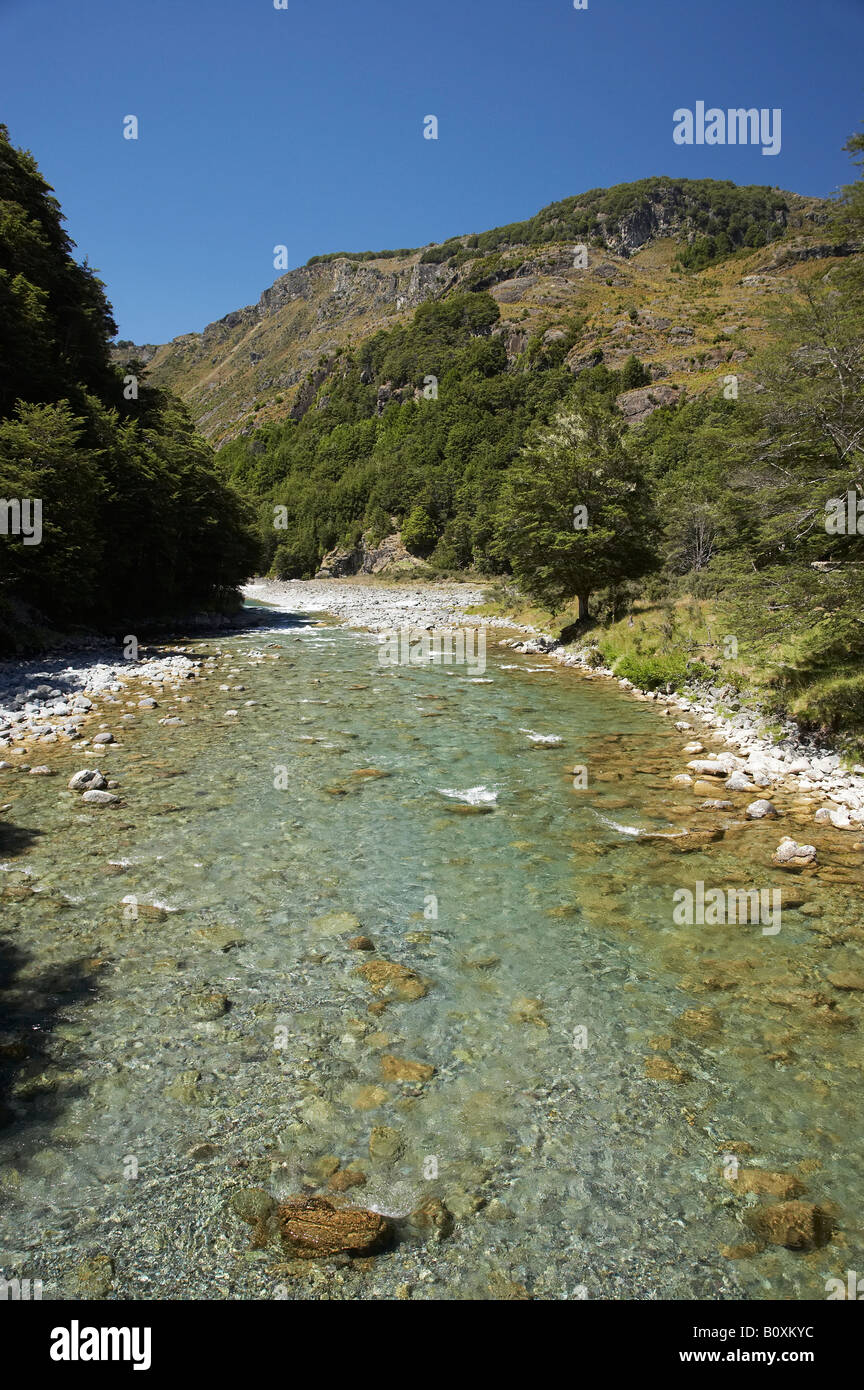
x=182 y=1012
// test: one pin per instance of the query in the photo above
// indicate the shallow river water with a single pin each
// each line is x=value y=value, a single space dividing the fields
x=181 y=1014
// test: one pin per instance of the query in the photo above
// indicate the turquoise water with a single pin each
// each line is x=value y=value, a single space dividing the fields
x=542 y=930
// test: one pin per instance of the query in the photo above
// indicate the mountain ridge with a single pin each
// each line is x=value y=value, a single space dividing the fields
x=259 y=363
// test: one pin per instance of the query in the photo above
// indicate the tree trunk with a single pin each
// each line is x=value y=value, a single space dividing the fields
x=583 y=607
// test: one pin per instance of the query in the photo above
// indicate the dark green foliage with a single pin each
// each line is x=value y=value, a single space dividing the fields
x=361 y=256
x=575 y=513
x=713 y=208
x=435 y=464
x=419 y=532
x=634 y=374
x=135 y=521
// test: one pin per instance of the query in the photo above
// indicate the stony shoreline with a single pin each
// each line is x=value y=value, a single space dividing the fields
x=48 y=699
x=794 y=763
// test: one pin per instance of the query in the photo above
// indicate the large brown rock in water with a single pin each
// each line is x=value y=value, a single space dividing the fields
x=797 y=1225
x=381 y=975
x=312 y=1228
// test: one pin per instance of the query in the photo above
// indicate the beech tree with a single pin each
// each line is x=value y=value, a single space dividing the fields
x=576 y=509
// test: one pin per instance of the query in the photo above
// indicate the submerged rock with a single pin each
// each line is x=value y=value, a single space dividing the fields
x=846 y=979
x=94 y=1278
x=398 y=1069
x=432 y=1218
x=661 y=1069
x=312 y=1228
x=766 y=1184
x=797 y=1225
x=385 y=1144
x=336 y=924
x=381 y=975
x=790 y=855
x=738 y=783
x=206 y=1005
x=527 y=1010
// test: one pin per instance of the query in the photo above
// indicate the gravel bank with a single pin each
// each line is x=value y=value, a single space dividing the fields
x=375 y=607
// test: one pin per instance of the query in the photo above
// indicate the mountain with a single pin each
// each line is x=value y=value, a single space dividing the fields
x=267 y=361
x=650 y=397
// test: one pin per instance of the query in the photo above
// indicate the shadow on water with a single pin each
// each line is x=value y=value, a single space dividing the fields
x=278 y=618
x=14 y=839
x=32 y=1003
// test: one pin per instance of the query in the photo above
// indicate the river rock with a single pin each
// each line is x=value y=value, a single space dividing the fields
x=258 y=1209
x=846 y=979
x=385 y=1144
x=661 y=1069
x=761 y=810
x=766 y=1184
x=346 y=1178
x=100 y=798
x=432 y=1218
x=381 y=975
x=790 y=855
x=797 y=1225
x=206 y=1005
x=94 y=1278
x=312 y=1228
x=336 y=924
x=837 y=816
x=704 y=788
x=88 y=779
x=738 y=783
x=527 y=1010
x=398 y=1069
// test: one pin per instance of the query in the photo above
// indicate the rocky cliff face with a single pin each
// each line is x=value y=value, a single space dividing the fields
x=247 y=365
x=367 y=558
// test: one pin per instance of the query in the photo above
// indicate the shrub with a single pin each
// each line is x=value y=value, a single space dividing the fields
x=653 y=672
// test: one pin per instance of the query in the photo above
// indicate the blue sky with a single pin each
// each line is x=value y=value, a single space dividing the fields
x=304 y=126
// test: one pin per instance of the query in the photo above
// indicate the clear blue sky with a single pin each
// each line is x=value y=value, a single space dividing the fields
x=304 y=126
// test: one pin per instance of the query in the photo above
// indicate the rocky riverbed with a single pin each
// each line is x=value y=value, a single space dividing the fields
x=799 y=764
x=355 y=988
